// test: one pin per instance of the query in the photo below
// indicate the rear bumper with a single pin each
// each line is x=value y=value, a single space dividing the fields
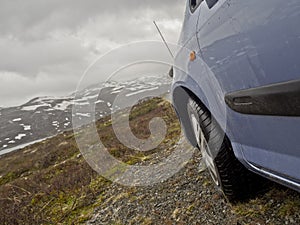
x=281 y=99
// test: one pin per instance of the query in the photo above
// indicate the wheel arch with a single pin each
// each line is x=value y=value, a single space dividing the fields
x=181 y=95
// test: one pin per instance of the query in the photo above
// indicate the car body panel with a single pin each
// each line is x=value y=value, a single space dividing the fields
x=244 y=45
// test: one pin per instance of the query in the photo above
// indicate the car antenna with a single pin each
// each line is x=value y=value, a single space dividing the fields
x=162 y=37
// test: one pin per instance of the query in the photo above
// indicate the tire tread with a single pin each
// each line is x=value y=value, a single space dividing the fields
x=237 y=182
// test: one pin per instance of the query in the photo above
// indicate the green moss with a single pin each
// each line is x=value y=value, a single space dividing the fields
x=8 y=178
x=245 y=211
x=115 y=152
x=70 y=136
x=191 y=208
x=144 y=108
x=98 y=182
x=108 y=123
x=139 y=157
x=115 y=171
x=289 y=207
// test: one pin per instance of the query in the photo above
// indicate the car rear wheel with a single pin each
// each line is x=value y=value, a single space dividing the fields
x=230 y=175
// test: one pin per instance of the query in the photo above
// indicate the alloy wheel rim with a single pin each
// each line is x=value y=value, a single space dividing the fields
x=204 y=148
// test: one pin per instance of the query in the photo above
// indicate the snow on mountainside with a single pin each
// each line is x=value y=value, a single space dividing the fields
x=47 y=116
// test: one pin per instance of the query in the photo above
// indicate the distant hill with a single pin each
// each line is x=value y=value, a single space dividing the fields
x=43 y=117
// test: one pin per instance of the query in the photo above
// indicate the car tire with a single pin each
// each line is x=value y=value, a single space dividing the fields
x=229 y=174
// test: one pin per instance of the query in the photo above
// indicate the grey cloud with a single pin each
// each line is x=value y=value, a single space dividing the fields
x=27 y=29
x=36 y=18
x=60 y=38
x=32 y=58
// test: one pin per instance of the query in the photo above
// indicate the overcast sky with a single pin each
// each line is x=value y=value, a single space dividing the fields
x=46 y=45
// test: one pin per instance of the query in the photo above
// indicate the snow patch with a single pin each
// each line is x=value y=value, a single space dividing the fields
x=27 y=127
x=50 y=99
x=99 y=101
x=90 y=97
x=83 y=103
x=55 y=124
x=17 y=120
x=83 y=114
x=20 y=136
x=141 y=91
x=34 y=107
x=116 y=92
x=118 y=88
x=48 y=110
x=63 y=106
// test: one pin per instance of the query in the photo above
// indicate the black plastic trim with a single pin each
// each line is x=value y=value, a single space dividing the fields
x=281 y=99
x=171 y=72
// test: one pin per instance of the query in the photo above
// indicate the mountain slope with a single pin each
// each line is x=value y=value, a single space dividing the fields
x=47 y=116
x=52 y=181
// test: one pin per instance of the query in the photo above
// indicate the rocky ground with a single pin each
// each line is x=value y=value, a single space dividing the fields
x=189 y=197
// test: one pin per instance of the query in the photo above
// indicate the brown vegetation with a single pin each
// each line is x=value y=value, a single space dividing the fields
x=50 y=182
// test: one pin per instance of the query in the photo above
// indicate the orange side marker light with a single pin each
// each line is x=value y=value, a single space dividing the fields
x=192 y=56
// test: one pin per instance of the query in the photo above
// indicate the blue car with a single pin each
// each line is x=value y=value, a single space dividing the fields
x=236 y=90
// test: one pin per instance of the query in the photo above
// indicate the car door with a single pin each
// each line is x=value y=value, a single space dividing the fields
x=219 y=46
x=270 y=35
x=253 y=44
